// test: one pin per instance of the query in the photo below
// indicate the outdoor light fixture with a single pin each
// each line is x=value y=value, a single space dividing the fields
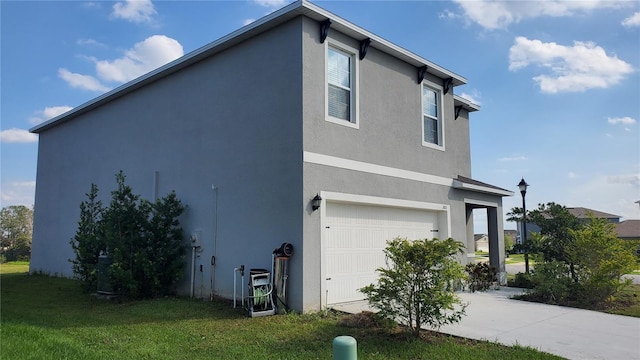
x=523 y=190
x=315 y=203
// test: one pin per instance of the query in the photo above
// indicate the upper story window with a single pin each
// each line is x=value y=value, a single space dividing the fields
x=432 y=126
x=341 y=86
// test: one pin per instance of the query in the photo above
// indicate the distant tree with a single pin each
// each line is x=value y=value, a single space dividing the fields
x=16 y=229
x=417 y=287
x=508 y=243
x=555 y=237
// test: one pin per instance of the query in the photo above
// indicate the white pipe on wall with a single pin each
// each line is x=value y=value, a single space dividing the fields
x=193 y=268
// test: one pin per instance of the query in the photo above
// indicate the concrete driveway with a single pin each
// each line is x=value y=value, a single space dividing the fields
x=567 y=332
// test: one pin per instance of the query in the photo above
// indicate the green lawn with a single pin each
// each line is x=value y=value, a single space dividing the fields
x=49 y=318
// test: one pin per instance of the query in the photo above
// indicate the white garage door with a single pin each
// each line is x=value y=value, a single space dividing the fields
x=356 y=236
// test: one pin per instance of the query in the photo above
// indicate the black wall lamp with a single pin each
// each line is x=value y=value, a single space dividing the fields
x=315 y=203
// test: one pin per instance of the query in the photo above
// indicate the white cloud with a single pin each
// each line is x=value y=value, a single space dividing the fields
x=492 y=14
x=17 y=136
x=574 y=68
x=621 y=120
x=18 y=193
x=513 y=158
x=137 y=11
x=633 y=180
x=473 y=98
x=247 y=21
x=614 y=194
x=90 y=42
x=572 y=175
x=448 y=14
x=632 y=21
x=86 y=82
x=145 y=56
x=48 y=113
x=271 y=3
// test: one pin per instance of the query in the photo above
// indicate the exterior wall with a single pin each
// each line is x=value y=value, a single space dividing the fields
x=389 y=134
x=232 y=120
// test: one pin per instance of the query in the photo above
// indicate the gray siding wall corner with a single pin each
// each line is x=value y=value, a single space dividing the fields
x=233 y=120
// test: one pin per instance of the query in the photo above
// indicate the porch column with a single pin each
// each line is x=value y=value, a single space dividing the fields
x=496 y=244
x=470 y=241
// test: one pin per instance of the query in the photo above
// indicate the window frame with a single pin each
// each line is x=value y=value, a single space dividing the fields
x=440 y=145
x=354 y=76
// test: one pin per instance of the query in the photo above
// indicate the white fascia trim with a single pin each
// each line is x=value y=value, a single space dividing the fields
x=480 y=203
x=483 y=189
x=466 y=104
x=342 y=163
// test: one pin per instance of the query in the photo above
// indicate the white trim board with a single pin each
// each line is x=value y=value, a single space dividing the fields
x=342 y=163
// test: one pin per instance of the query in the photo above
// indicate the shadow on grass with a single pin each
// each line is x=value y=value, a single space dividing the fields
x=54 y=302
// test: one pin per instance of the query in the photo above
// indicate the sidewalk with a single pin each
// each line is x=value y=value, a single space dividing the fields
x=563 y=331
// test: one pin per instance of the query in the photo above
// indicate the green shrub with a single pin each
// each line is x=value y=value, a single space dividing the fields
x=417 y=287
x=142 y=239
x=601 y=260
x=481 y=276
x=553 y=283
x=88 y=242
x=522 y=280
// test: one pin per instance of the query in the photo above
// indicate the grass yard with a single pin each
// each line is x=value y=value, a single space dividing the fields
x=627 y=302
x=50 y=318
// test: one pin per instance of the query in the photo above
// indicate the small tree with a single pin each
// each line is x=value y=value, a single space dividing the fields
x=602 y=259
x=123 y=224
x=162 y=260
x=88 y=242
x=417 y=287
x=143 y=240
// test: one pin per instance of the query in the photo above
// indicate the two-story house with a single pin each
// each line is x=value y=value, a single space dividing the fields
x=249 y=129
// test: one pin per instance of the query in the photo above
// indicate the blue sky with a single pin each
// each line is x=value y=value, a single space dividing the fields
x=558 y=82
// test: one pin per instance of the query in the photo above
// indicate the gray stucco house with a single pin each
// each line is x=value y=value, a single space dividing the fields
x=250 y=128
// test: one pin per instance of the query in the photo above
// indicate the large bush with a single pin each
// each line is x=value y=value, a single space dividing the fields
x=142 y=239
x=418 y=286
x=577 y=262
x=602 y=259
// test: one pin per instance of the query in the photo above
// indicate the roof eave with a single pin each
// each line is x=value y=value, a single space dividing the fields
x=298 y=8
x=457 y=184
x=465 y=103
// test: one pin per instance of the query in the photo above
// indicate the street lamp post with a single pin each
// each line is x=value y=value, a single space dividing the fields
x=523 y=190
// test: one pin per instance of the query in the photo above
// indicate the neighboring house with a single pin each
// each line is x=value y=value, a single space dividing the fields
x=627 y=230
x=482 y=242
x=250 y=128
x=583 y=214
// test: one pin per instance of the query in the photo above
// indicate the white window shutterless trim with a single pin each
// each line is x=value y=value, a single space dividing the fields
x=432 y=119
x=341 y=84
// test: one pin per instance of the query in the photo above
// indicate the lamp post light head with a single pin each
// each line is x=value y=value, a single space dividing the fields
x=522 y=185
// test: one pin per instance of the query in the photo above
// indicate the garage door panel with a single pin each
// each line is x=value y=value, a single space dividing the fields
x=356 y=236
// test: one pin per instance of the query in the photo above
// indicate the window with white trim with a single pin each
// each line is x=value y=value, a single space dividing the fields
x=431 y=117
x=341 y=76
